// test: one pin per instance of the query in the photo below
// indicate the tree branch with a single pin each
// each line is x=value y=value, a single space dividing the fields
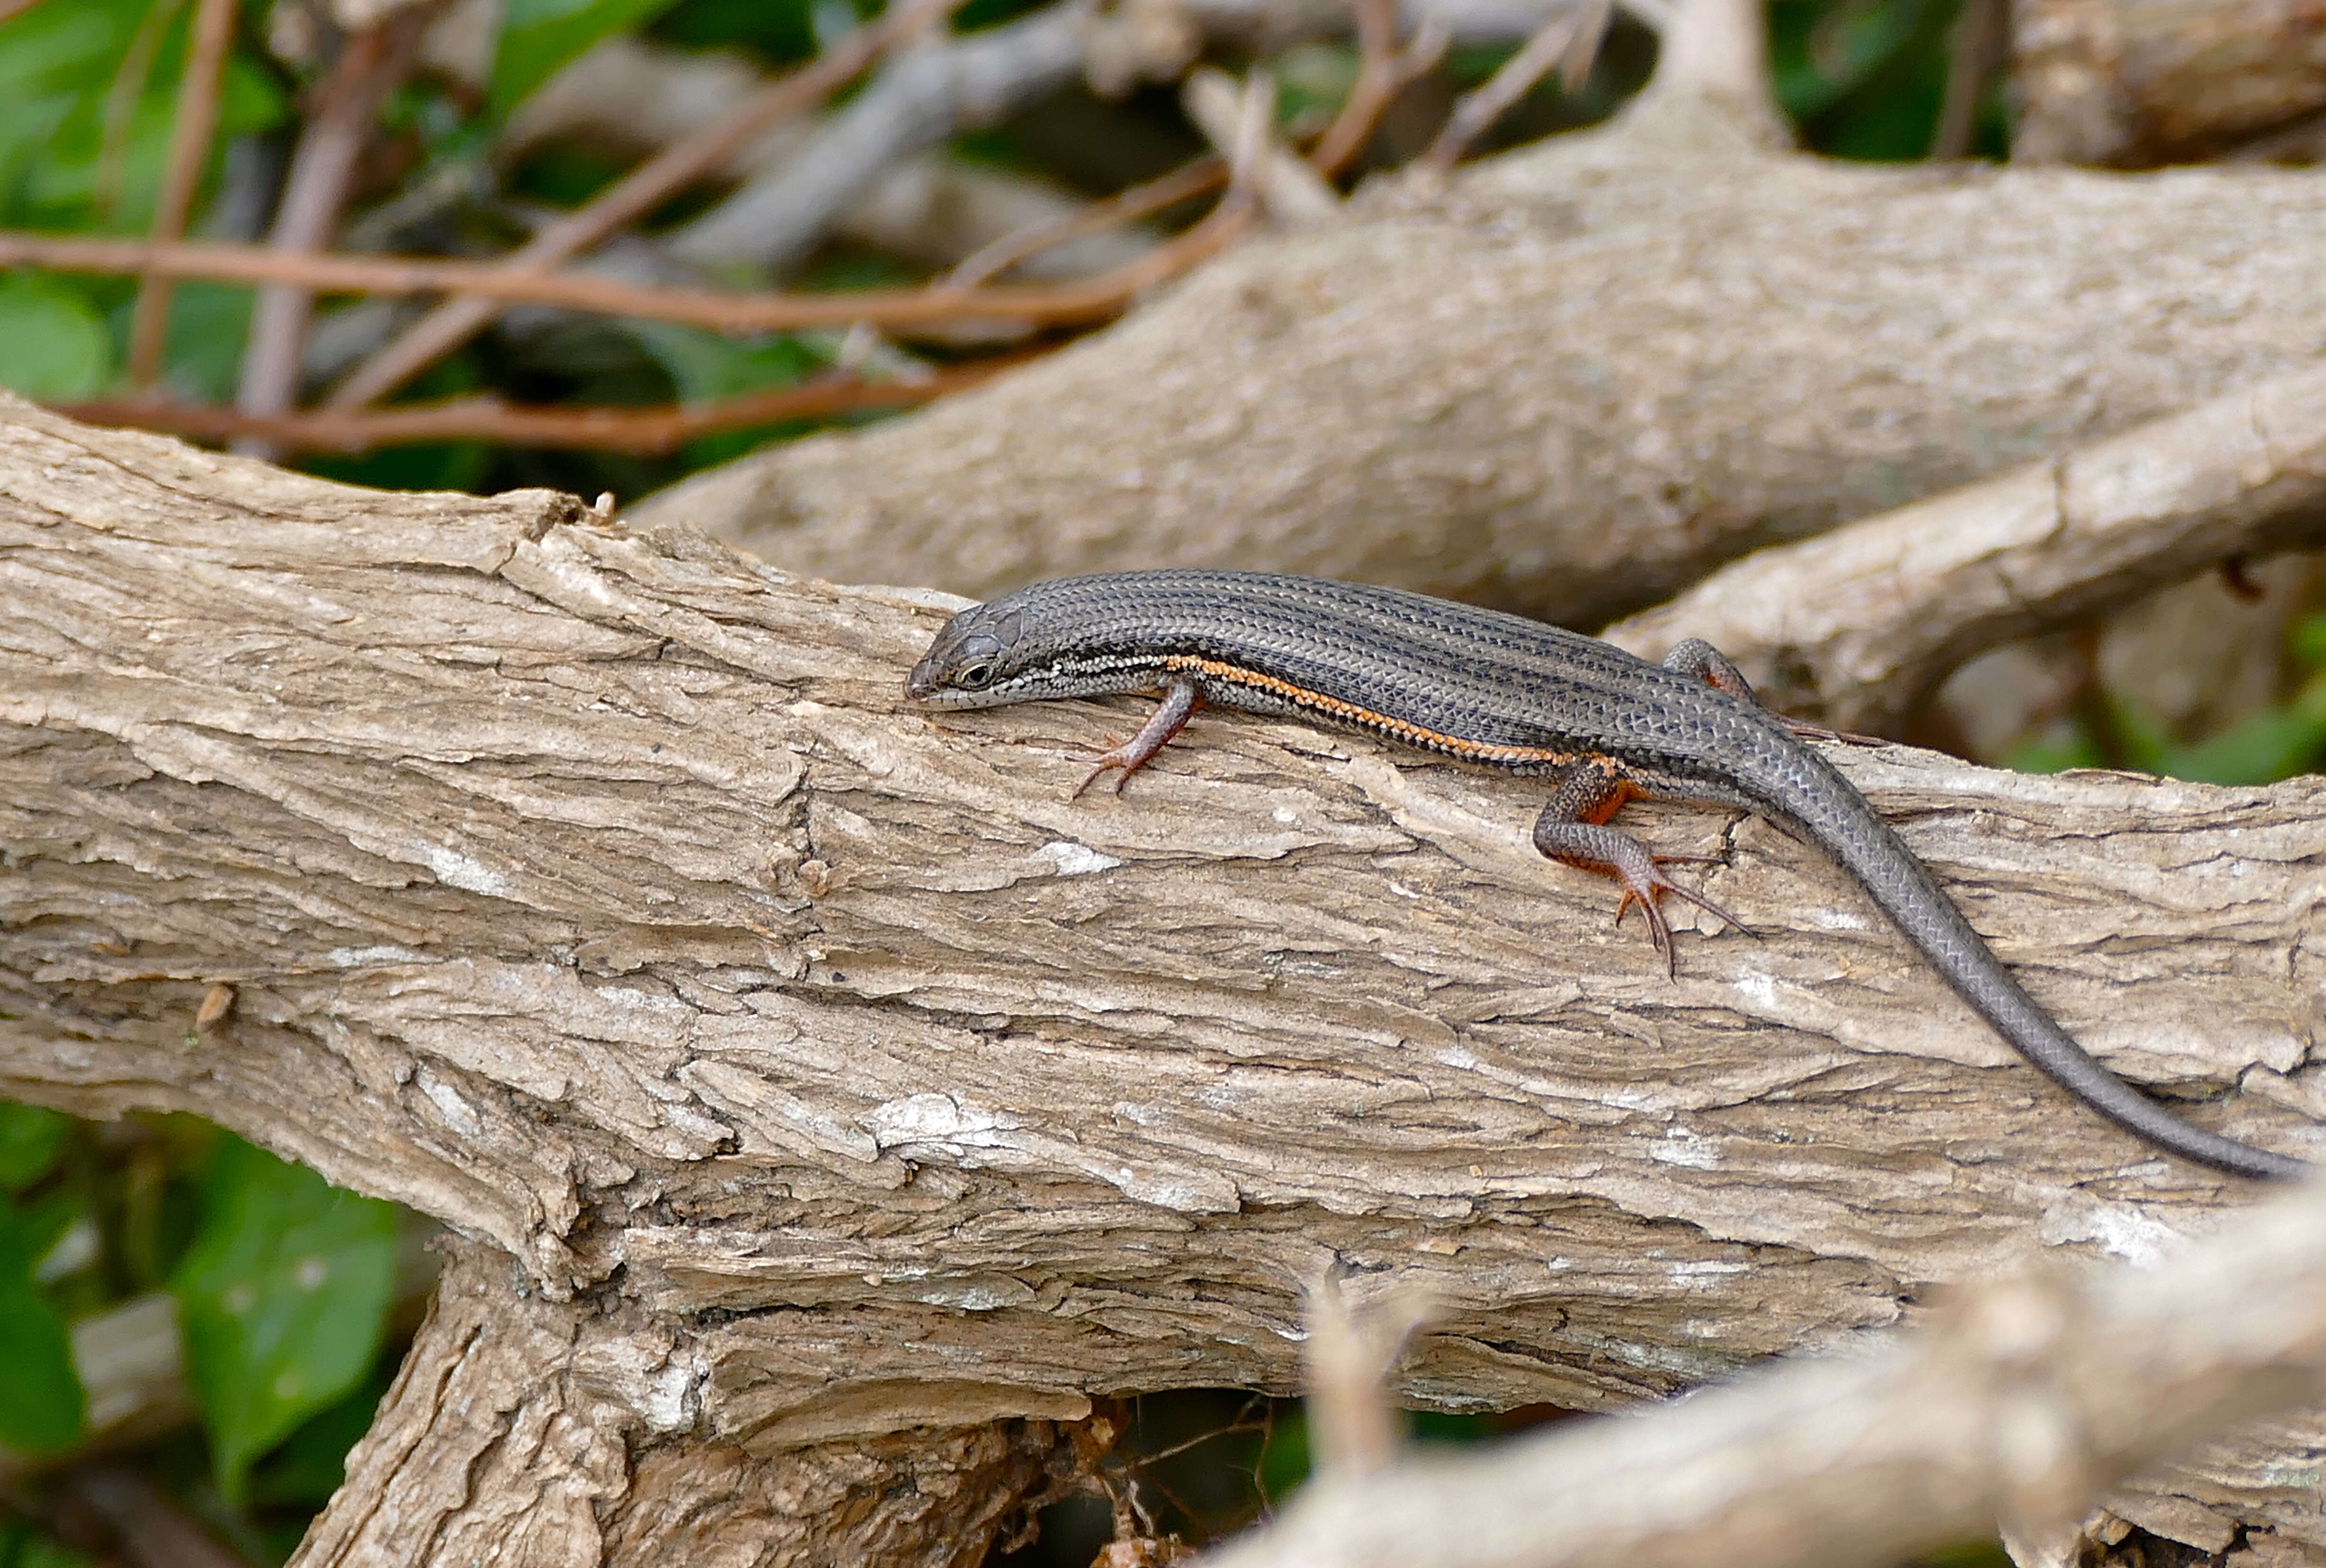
x=190 y=146
x=616 y=430
x=2019 y=1401
x=371 y=63
x=1083 y=299
x=544 y=1435
x=1448 y=391
x=2133 y=85
x=592 y=891
x=921 y=99
x=634 y=196
x=1860 y=624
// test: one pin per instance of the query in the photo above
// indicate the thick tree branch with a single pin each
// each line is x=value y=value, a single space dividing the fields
x=593 y=891
x=1574 y=382
x=2136 y=83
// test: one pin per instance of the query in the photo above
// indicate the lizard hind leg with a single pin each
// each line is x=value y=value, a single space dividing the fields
x=1573 y=831
x=1700 y=659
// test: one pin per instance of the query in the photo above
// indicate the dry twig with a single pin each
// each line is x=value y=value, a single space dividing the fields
x=920 y=98
x=346 y=105
x=646 y=430
x=451 y=324
x=1200 y=178
x=189 y=145
x=1568 y=41
x=1978 y=45
x=1351 y=1351
x=1239 y=122
x=2023 y=1400
x=1083 y=300
x=1383 y=70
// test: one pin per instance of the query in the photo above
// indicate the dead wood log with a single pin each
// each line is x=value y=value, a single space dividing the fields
x=593 y=891
x=1572 y=380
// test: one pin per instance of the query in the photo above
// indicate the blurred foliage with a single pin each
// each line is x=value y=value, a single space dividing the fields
x=2112 y=729
x=283 y=1298
x=537 y=36
x=87 y=88
x=1865 y=79
x=40 y=1400
x=282 y=1283
x=88 y=91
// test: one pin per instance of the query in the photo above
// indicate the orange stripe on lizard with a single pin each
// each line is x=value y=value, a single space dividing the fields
x=1354 y=713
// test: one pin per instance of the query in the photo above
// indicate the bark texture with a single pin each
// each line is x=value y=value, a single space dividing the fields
x=593 y=891
x=2136 y=83
x=2018 y=1398
x=525 y=1431
x=1572 y=380
x=1857 y=627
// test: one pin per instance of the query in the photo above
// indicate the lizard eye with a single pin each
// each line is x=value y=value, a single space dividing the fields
x=974 y=677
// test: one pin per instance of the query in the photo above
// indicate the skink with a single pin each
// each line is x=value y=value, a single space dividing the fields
x=1514 y=694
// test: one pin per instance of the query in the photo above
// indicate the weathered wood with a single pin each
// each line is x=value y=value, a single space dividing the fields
x=528 y=1432
x=596 y=891
x=1571 y=380
x=2018 y=1400
x=1857 y=625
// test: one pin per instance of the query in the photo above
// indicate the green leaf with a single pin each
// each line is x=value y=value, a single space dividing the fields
x=30 y=1138
x=283 y=1297
x=537 y=36
x=69 y=159
x=707 y=365
x=24 y=1546
x=201 y=359
x=56 y=344
x=41 y=1399
x=1284 y=1461
x=312 y=1462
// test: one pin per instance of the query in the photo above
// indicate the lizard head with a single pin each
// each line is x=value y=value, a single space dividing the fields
x=972 y=660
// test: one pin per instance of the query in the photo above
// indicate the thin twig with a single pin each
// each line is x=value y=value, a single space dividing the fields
x=454 y=322
x=323 y=170
x=1349 y=1356
x=1977 y=47
x=1377 y=54
x=1480 y=109
x=1583 y=50
x=1249 y=143
x=1083 y=299
x=128 y=85
x=190 y=145
x=1200 y=178
x=1238 y=121
x=922 y=97
x=644 y=430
